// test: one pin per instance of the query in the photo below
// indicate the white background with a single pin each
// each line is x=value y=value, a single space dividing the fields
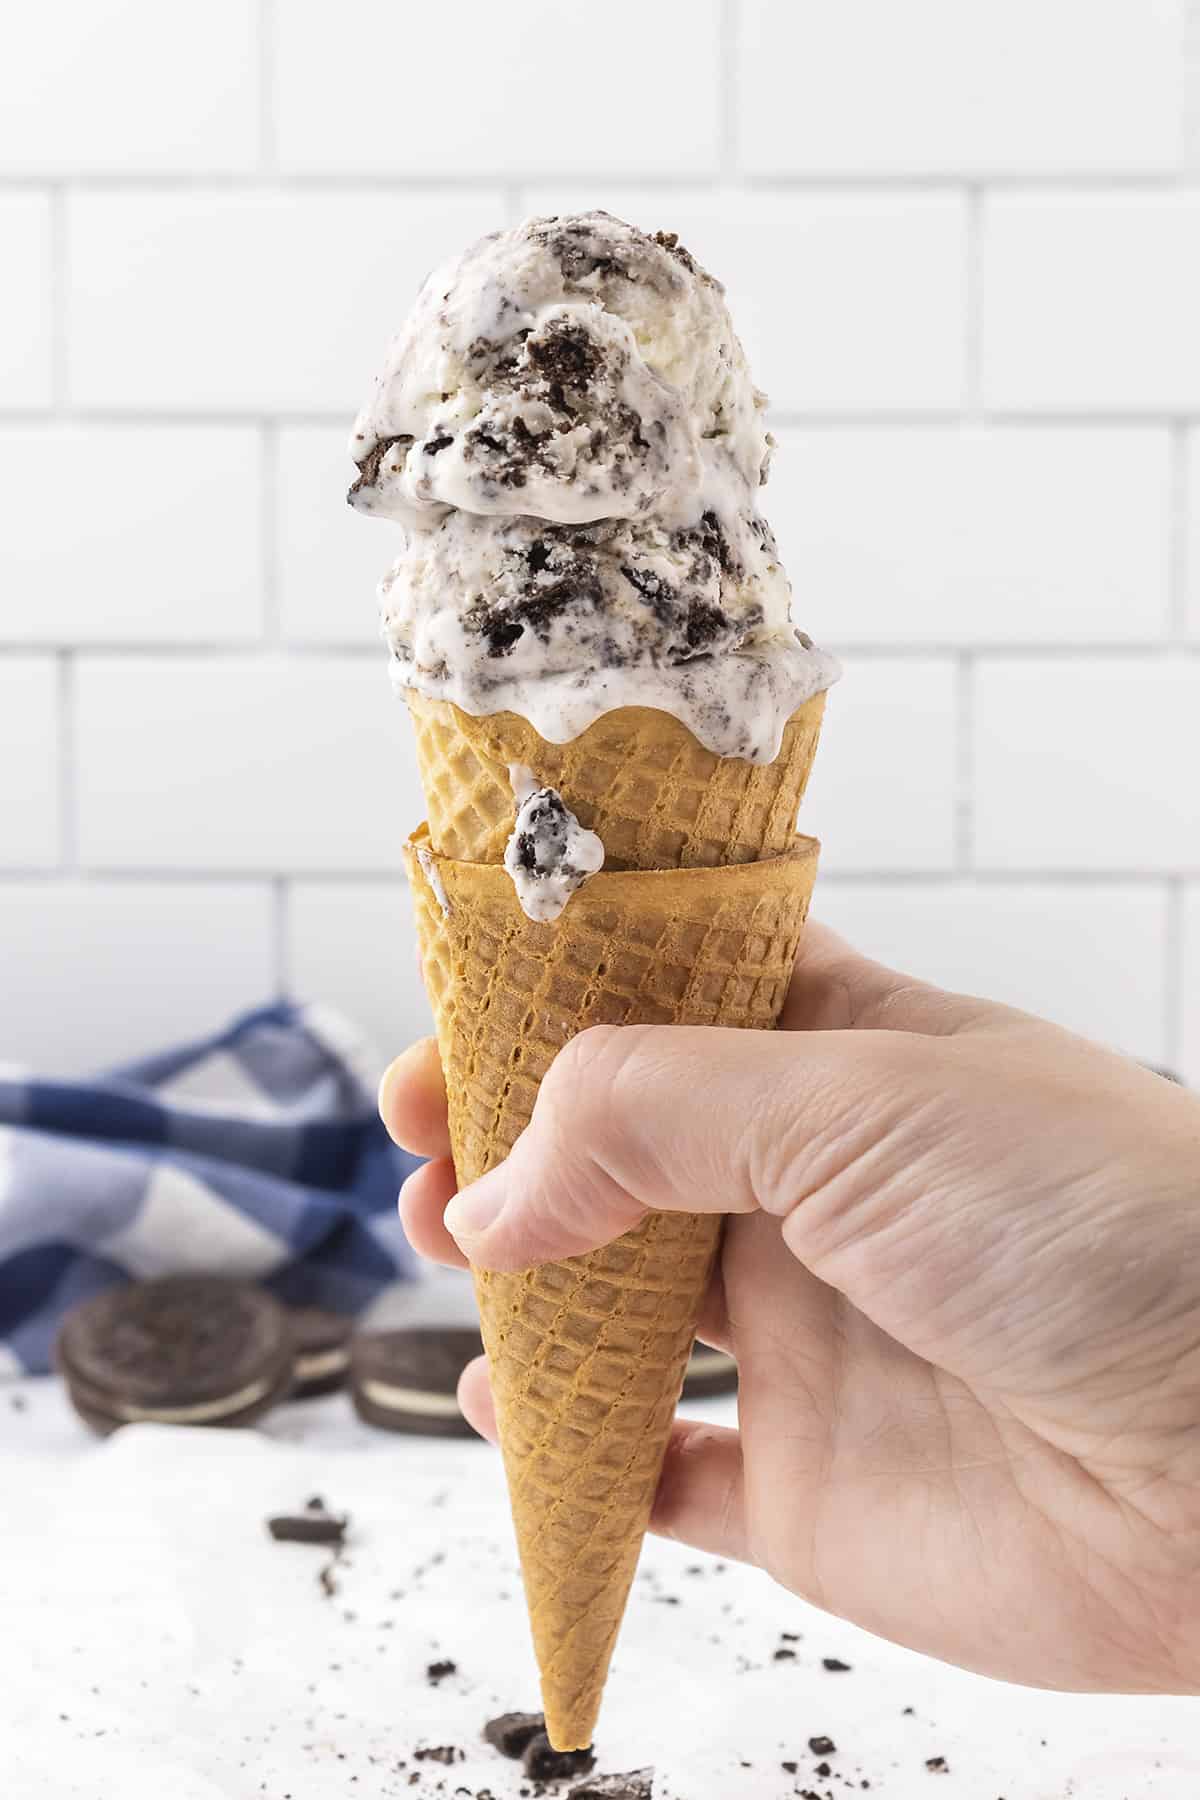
x=189 y=1675
x=962 y=242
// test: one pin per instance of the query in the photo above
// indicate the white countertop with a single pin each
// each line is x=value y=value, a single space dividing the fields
x=156 y=1645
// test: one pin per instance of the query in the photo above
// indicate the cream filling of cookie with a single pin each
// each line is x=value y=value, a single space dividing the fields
x=322 y=1362
x=411 y=1400
x=202 y=1413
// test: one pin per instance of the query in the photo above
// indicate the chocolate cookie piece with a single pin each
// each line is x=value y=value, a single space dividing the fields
x=322 y=1341
x=184 y=1350
x=406 y=1380
x=709 y=1372
x=542 y=1762
x=315 y=1525
x=512 y=1733
x=637 y=1785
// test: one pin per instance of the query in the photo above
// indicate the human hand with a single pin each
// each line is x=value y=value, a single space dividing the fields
x=961 y=1278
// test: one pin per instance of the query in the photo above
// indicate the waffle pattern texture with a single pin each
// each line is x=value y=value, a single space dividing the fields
x=658 y=799
x=588 y=1355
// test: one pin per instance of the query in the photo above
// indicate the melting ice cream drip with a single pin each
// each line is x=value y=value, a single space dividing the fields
x=433 y=876
x=549 y=854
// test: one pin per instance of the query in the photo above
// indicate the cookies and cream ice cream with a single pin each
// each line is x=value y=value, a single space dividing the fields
x=549 y=854
x=567 y=431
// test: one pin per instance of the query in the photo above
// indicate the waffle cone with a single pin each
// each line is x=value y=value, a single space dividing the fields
x=657 y=797
x=587 y=1356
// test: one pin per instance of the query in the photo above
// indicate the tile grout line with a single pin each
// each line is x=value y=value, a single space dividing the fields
x=64 y=655
x=1179 y=574
x=974 y=302
x=727 y=90
x=60 y=392
x=68 y=786
x=268 y=158
x=360 y=648
x=1191 y=92
x=931 y=418
x=271 y=620
x=1173 y=1023
x=964 y=763
x=280 y=912
x=1098 y=879
x=394 y=877
x=267 y=176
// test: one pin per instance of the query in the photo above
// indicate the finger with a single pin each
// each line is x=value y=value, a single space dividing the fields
x=834 y=988
x=475 y=1399
x=623 y=1122
x=701 y=1498
x=712 y=1325
x=412 y=1100
x=679 y=1118
x=423 y=1201
x=701 y=1492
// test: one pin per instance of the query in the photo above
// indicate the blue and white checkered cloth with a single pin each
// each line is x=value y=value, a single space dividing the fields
x=256 y=1153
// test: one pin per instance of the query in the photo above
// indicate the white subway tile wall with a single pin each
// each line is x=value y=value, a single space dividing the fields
x=99 y=972
x=963 y=247
x=26 y=300
x=354 y=940
x=117 y=534
x=30 y=765
x=935 y=87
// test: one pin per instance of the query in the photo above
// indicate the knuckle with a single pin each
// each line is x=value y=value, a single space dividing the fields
x=578 y=1088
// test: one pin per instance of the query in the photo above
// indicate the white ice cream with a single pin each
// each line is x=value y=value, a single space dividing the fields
x=549 y=854
x=567 y=431
x=433 y=876
x=571 y=369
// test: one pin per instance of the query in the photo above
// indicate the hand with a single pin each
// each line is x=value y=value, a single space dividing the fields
x=961 y=1278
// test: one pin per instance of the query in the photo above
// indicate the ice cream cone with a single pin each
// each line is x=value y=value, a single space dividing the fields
x=637 y=776
x=587 y=1356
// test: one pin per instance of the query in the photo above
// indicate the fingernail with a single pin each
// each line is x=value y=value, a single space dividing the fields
x=476 y=1209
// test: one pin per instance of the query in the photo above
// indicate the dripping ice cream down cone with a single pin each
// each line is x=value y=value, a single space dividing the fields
x=615 y=719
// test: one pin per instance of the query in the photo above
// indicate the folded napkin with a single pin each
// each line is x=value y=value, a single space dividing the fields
x=256 y=1153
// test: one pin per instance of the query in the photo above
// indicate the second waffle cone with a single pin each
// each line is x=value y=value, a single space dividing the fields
x=657 y=797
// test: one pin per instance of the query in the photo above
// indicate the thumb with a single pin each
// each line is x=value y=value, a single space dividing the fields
x=630 y=1119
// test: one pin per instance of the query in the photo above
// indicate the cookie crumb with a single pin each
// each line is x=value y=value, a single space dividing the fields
x=512 y=1733
x=544 y=1763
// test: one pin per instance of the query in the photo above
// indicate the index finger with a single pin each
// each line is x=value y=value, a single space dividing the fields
x=412 y=1100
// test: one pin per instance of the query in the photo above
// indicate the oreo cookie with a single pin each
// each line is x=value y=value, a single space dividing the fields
x=406 y=1380
x=184 y=1350
x=709 y=1372
x=322 y=1341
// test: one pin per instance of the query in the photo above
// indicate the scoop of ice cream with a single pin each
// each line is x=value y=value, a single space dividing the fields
x=568 y=433
x=572 y=368
x=561 y=622
x=549 y=854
